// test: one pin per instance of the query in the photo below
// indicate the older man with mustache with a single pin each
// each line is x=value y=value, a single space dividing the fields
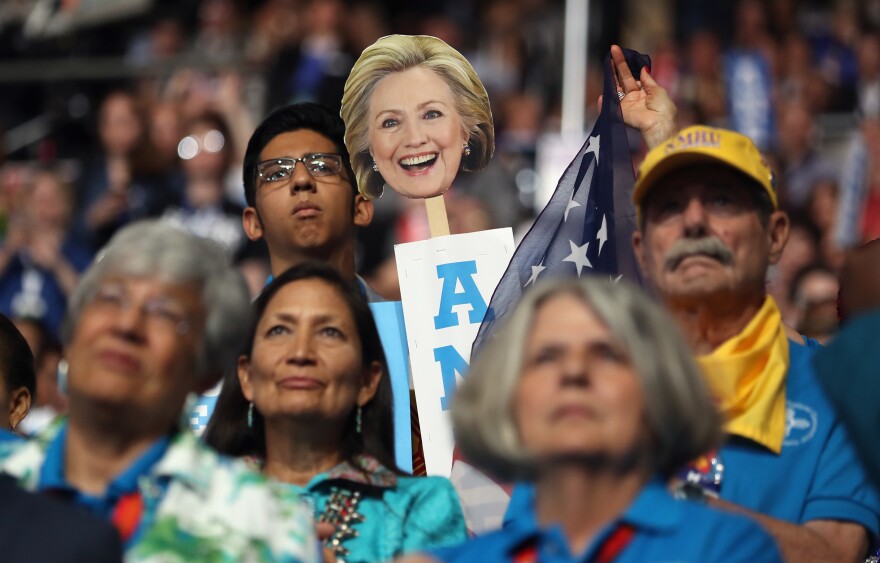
x=709 y=229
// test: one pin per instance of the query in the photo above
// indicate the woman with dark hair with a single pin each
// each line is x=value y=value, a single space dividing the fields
x=19 y=386
x=311 y=403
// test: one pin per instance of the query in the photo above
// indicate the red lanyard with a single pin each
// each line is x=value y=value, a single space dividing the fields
x=615 y=543
x=127 y=515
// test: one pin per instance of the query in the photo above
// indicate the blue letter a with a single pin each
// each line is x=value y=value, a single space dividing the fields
x=462 y=272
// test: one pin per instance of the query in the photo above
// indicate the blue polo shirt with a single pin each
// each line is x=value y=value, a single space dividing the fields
x=52 y=476
x=816 y=476
x=666 y=529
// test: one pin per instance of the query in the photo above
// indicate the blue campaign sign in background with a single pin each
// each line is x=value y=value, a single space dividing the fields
x=749 y=90
x=389 y=321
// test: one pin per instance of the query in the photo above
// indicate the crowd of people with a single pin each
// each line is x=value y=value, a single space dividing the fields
x=170 y=141
x=706 y=423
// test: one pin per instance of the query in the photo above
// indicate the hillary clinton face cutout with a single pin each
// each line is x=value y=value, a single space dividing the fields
x=415 y=114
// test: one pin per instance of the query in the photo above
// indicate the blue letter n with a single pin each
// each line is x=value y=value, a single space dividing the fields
x=450 y=363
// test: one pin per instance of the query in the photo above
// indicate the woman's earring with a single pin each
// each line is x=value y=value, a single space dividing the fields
x=61 y=375
x=467 y=150
x=375 y=166
x=358 y=420
x=250 y=416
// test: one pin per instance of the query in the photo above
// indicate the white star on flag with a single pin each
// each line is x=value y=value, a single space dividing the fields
x=578 y=256
x=593 y=147
x=571 y=205
x=602 y=235
x=536 y=271
x=615 y=280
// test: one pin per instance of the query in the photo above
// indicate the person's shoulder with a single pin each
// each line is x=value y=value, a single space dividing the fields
x=493 y=546
x=425 y=485
x=711 y=517
x=433 y=513
x=64 y=533
x=729 y=532
x=430 y=496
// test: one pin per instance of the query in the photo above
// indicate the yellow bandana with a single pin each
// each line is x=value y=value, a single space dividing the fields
x=746 y=376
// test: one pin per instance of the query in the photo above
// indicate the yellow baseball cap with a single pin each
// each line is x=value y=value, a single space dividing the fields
x=701 y=144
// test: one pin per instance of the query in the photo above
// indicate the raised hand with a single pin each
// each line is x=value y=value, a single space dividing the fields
x=645 y=104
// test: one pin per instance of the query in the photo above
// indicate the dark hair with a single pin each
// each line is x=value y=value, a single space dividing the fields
x=227 y=431
x=799 y=220
x=16 y=359
x=305 y=115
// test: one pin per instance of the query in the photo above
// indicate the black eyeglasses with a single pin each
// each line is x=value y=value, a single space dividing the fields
x=280 y=170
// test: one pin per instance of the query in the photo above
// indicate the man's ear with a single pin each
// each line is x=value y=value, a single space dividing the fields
x=370 y=384
x=363 y=211
x=244 y=378
x=253 y=226
x=19 y=406
x=778 y=230
x=639 y=249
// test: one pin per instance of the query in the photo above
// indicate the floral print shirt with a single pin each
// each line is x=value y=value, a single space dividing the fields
x=196 y=505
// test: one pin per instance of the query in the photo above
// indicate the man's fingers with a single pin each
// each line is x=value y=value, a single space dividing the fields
x=626 y=79
x=647 y=80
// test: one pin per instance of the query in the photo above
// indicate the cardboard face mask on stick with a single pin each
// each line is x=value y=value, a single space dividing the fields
x=415 y=114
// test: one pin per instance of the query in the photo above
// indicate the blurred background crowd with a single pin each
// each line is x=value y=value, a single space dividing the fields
x=114 y=110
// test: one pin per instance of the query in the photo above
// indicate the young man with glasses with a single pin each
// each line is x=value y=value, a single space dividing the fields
x=301 y=193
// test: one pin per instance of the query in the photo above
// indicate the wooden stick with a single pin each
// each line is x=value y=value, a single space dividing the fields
x=438 y=222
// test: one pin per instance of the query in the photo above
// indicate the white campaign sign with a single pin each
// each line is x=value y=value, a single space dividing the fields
x=445 y=285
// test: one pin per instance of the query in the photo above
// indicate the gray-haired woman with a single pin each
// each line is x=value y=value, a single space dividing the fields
x=590 y=393
x=156 y=317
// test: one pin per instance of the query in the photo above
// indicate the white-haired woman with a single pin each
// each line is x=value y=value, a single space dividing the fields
x=599 y=406
x=156 y=317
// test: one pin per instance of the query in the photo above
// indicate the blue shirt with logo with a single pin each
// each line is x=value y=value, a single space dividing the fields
x=816 y=476
x=665 y=529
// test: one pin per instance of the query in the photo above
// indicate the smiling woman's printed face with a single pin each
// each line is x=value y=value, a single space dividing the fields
x=416 y=135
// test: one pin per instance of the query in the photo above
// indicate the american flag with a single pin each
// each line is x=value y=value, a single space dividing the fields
x=585 y=229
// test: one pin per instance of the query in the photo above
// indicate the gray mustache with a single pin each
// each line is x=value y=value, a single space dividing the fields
x=706 y=246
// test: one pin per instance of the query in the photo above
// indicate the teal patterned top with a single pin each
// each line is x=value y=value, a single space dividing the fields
x=198 y=506
x=401 y=514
